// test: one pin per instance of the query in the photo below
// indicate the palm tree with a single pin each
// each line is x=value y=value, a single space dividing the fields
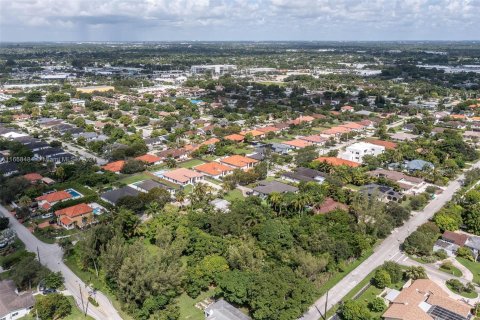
x=275 y=199
x=180 y=196
x=152 y=208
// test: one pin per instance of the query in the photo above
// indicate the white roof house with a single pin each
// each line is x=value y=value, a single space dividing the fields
x=357 y=151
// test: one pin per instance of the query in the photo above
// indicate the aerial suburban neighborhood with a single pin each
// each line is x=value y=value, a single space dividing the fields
x=240 y=180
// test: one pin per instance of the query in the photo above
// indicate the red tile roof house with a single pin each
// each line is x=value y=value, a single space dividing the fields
x=329 y=205
x=354 y=126
x=214 y=169
x=315 y=139
x=239 y=162
x=335 y=132
x=46 y=201
x=183 y=176
x=149 y=159
x=297 y=144
x=346 y=109
x=423 y=299
x=33 y=178
x=115 y=166
x=338 y=162
x=79 y=215
x=235 y=137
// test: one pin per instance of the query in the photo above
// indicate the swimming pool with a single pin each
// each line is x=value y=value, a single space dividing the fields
x=195 y=101
x=74 y=193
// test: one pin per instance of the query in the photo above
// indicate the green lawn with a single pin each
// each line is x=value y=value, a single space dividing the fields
x=76 y=314
x=135 y=178
x=469 y=295
x=188 y=189
x=474 y=267
x=235 y=194
x=187 y=305
x=352 y=187
x=190 y=163
x=453 y=271
x=214 y=181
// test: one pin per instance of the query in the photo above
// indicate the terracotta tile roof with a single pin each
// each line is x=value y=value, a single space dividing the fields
x=66 y=221
x=254 y=133
x=46 y=206
x=314 y=138
x=458 y=238
x=268 y=129
x=346 y=108
x=175 y=153
x=55 y=196
x=235 y=137
x=281 y=125
x=115 y=166
x=458 y=116
x=298 y=143
x=238 y=161
x=213 y=168
x=336 y=130
x=338 y=162
x=352 y=125
x=182 y=174
x=148 y=158
x=74 y=211
x=329 y=205
x=33 y=177
x=210 y=141
x=389 y=145
x=406 y=306
x=302 y=119
x=366 y=122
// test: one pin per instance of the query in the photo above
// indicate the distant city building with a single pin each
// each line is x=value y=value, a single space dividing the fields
x=217 y=69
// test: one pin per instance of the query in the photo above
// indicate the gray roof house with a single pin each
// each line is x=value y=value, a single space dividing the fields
x=265 y=188
x=416 y=165
x=384 y=193
x=149 y=184
x=113 y=196
x=12 y=304
x=304 y=174
x=222 y=310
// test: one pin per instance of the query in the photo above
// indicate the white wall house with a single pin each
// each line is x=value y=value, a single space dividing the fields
x=14 y=305
x=357 y=151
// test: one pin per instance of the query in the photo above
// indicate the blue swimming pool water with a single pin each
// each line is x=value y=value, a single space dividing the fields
x=195 y=101
x=74 y=193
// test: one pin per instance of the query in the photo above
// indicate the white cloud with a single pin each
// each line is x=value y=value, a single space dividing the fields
x=291 y=19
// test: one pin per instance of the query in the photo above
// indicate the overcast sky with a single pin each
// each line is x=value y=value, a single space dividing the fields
x=150 y=20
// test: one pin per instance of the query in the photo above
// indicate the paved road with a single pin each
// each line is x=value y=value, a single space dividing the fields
x=82 y=152
x=387 y=250
x=51 y=256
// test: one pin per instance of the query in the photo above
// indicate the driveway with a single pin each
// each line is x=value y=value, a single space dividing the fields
x=51 y=256
x=387 y=250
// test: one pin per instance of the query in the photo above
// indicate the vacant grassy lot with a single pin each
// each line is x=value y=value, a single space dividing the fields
x=135 y=178
x=473 y=266
x=190 y=163
x=187 y=305
x=235 y=194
